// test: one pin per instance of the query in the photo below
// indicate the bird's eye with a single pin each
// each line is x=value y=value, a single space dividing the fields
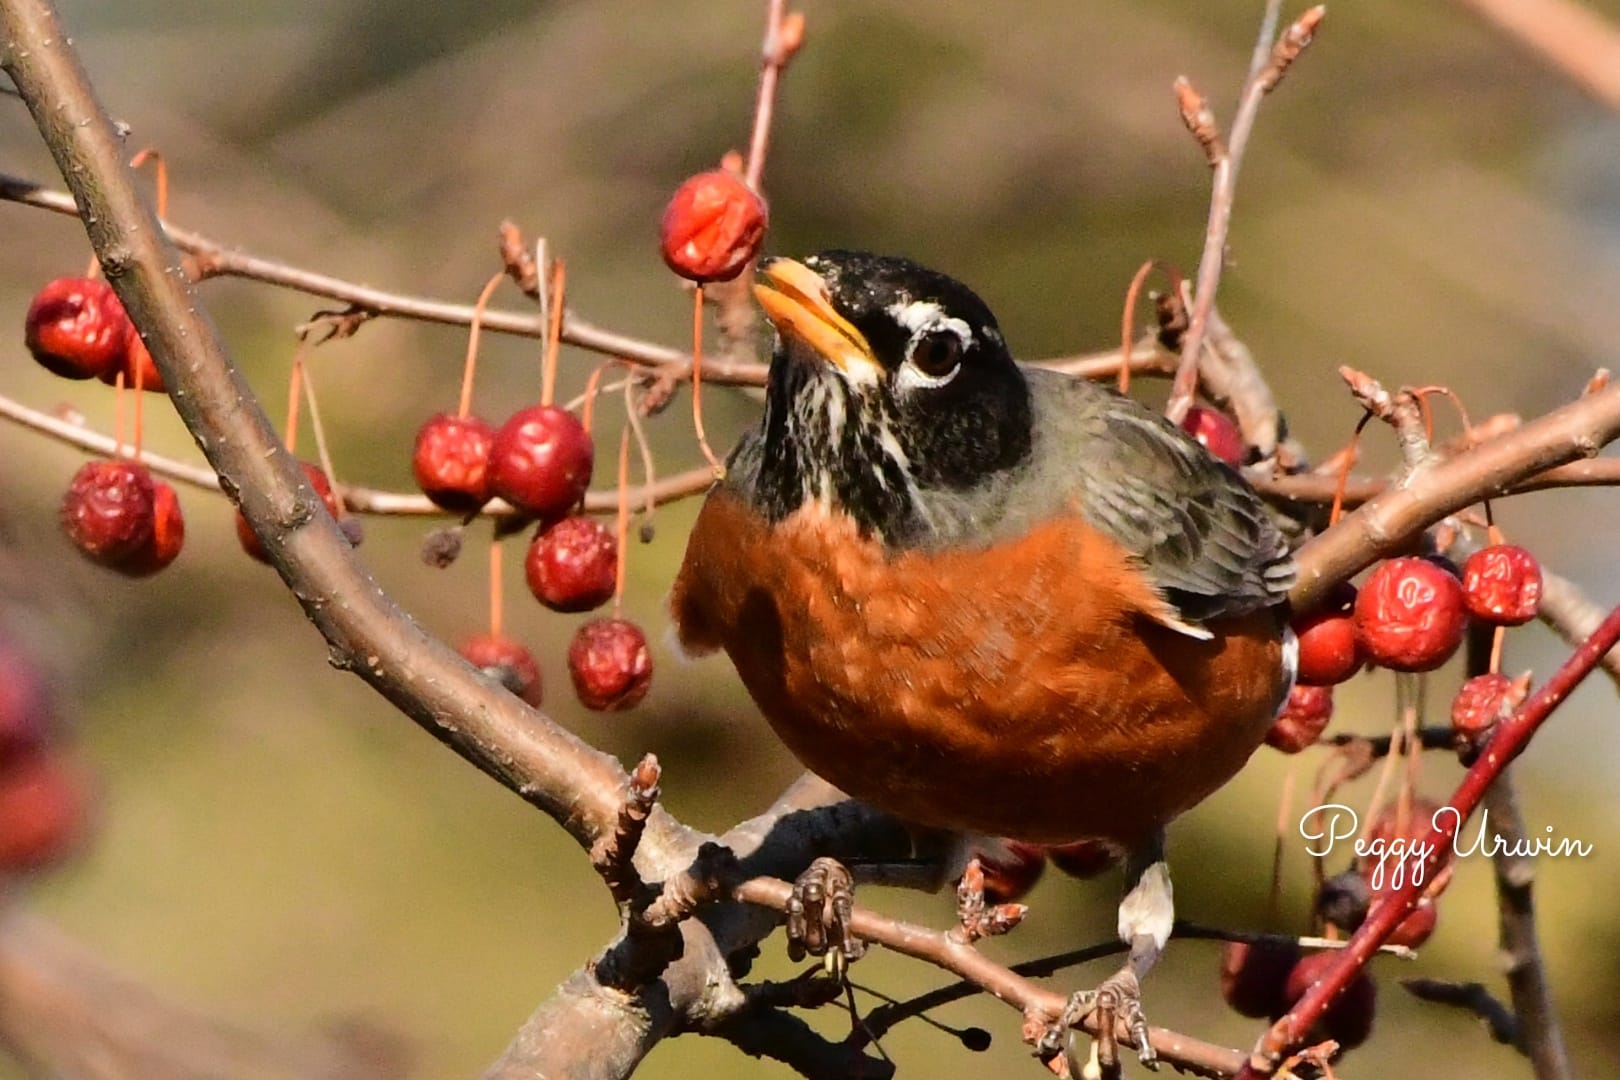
x=936 y=355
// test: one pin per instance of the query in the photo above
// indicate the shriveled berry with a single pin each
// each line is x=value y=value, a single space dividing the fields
x=451 y=461
x=1253 y=977
x=1011 y=870
x=1502 y=585
x=107 y=511
x=76 y=328
x=1304 y=717
x=323 y=487
x=507 y=662
x=1082 y=858
x=44 y=812
x=1480 y=703
x=25 y=705
x=610 y=664
x=1216 y=432
x=1409 y=615
x=168 y=535
x=1349 y=1019
x=137 y=360
x=712 y=227
x=541 y=461
x=1329 y=652
x=572 y=565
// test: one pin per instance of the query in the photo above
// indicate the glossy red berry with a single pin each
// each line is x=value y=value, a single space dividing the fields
x=541 y=461
x=507 y=662
x=1216 y=432
x=1253 y=977
x=136 y=359
x=1082 y=858
x=25 y=705
x=1502 y=585
x=44 y=812
x=1349 y=1019
x=1329 y=652
x=572 y=565
x=168 y=535
x=76 y=328
x=1417 y=927
x=323 y=487
x=107 y=511
x=610 y=664
x=1011 y=870
x=712 y=227
x=1409 y=615
x=451 y=461
x=1304 y=717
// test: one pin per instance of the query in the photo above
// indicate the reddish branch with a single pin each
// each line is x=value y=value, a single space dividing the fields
x=1510 y=738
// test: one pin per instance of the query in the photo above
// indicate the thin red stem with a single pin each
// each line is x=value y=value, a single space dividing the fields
x=495 y=612
x=622 y=531
x=471 y=363
x=697 y=382
x=555 y=292
x=160 y=169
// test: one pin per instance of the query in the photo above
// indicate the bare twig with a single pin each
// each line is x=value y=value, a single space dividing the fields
x=1498 y=1018
x=613 y=853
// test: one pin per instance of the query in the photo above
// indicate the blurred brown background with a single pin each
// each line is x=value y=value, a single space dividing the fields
x=1420 y=200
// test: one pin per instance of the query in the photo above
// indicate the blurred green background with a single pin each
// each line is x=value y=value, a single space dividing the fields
x=1420 y=200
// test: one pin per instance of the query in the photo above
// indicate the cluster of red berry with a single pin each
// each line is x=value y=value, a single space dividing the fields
x=44 y=804
x=77 y=328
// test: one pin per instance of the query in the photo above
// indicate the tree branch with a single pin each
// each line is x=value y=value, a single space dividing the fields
x=1572 y=39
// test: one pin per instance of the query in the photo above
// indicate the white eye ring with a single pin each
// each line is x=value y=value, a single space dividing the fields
x=911 y=375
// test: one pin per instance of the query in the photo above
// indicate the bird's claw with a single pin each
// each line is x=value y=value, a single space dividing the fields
x=1119 y=997
x=819 y=912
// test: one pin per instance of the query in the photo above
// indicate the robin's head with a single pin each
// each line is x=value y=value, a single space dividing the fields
x=890 y=383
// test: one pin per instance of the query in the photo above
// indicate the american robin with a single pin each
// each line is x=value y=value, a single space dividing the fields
x=985 y=597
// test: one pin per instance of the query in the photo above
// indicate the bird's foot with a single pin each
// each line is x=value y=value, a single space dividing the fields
x=1119 y=997
x=818 y=915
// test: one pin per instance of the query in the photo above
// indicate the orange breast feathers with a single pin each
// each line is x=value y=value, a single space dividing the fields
x=1017 y=690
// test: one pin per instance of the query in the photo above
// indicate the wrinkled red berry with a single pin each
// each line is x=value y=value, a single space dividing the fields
x=1502 y=585
x=572 y=565
x=1409 y=615
x=541 y=461
x=44 y=811
x=1011 y=870
x=76 y=328
x=507 y=662
x=1082 y=858
x=1349 y=1019
x=1480 y=703
x=610 y=664
x=712 y=227
x=25 y=705
x=1216 y=432
x=107 y=511
x=168 y=535
x=1253 y=977
x=451 y=461
x=1329 y=652
x=1304 y=717
x=136 y=359
x=323 y=487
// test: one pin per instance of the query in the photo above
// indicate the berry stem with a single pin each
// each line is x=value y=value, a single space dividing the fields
x=139 y=406
x=697 y=383
x=474 y=329
x=321 y=449
x=118 y=415
x=555 y=292
x=295 y=390
x=622 y=530
x=593 y=385
x=495 y=612
x=160 y=169
x=1497 y=637
x=1344 y=473
x=632 y=412
x=1127 y=321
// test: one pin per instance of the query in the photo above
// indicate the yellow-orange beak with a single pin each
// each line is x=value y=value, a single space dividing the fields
x=795 y=300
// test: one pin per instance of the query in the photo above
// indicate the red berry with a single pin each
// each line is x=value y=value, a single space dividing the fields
x=1216 y=432
x=1348 y=1020
x=1082 y=858
x=507 y=662
x=610 y=664
x=1416 y=928
x=76 y=328
x=1409 y=615
x=1304 y=717
x=107 y=511
x=1391 y=861
x=1328 y=650
x=323 y=488
x=451 y=461
x=168 y=535
x=25 y=705
x=44 y=810
x=1480 y=703
x=1011 y=869
x=1253 y=977
x=572 y=565
x=712 y=227
x=1502 y=585
x=541 y=461
x=136 y=358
